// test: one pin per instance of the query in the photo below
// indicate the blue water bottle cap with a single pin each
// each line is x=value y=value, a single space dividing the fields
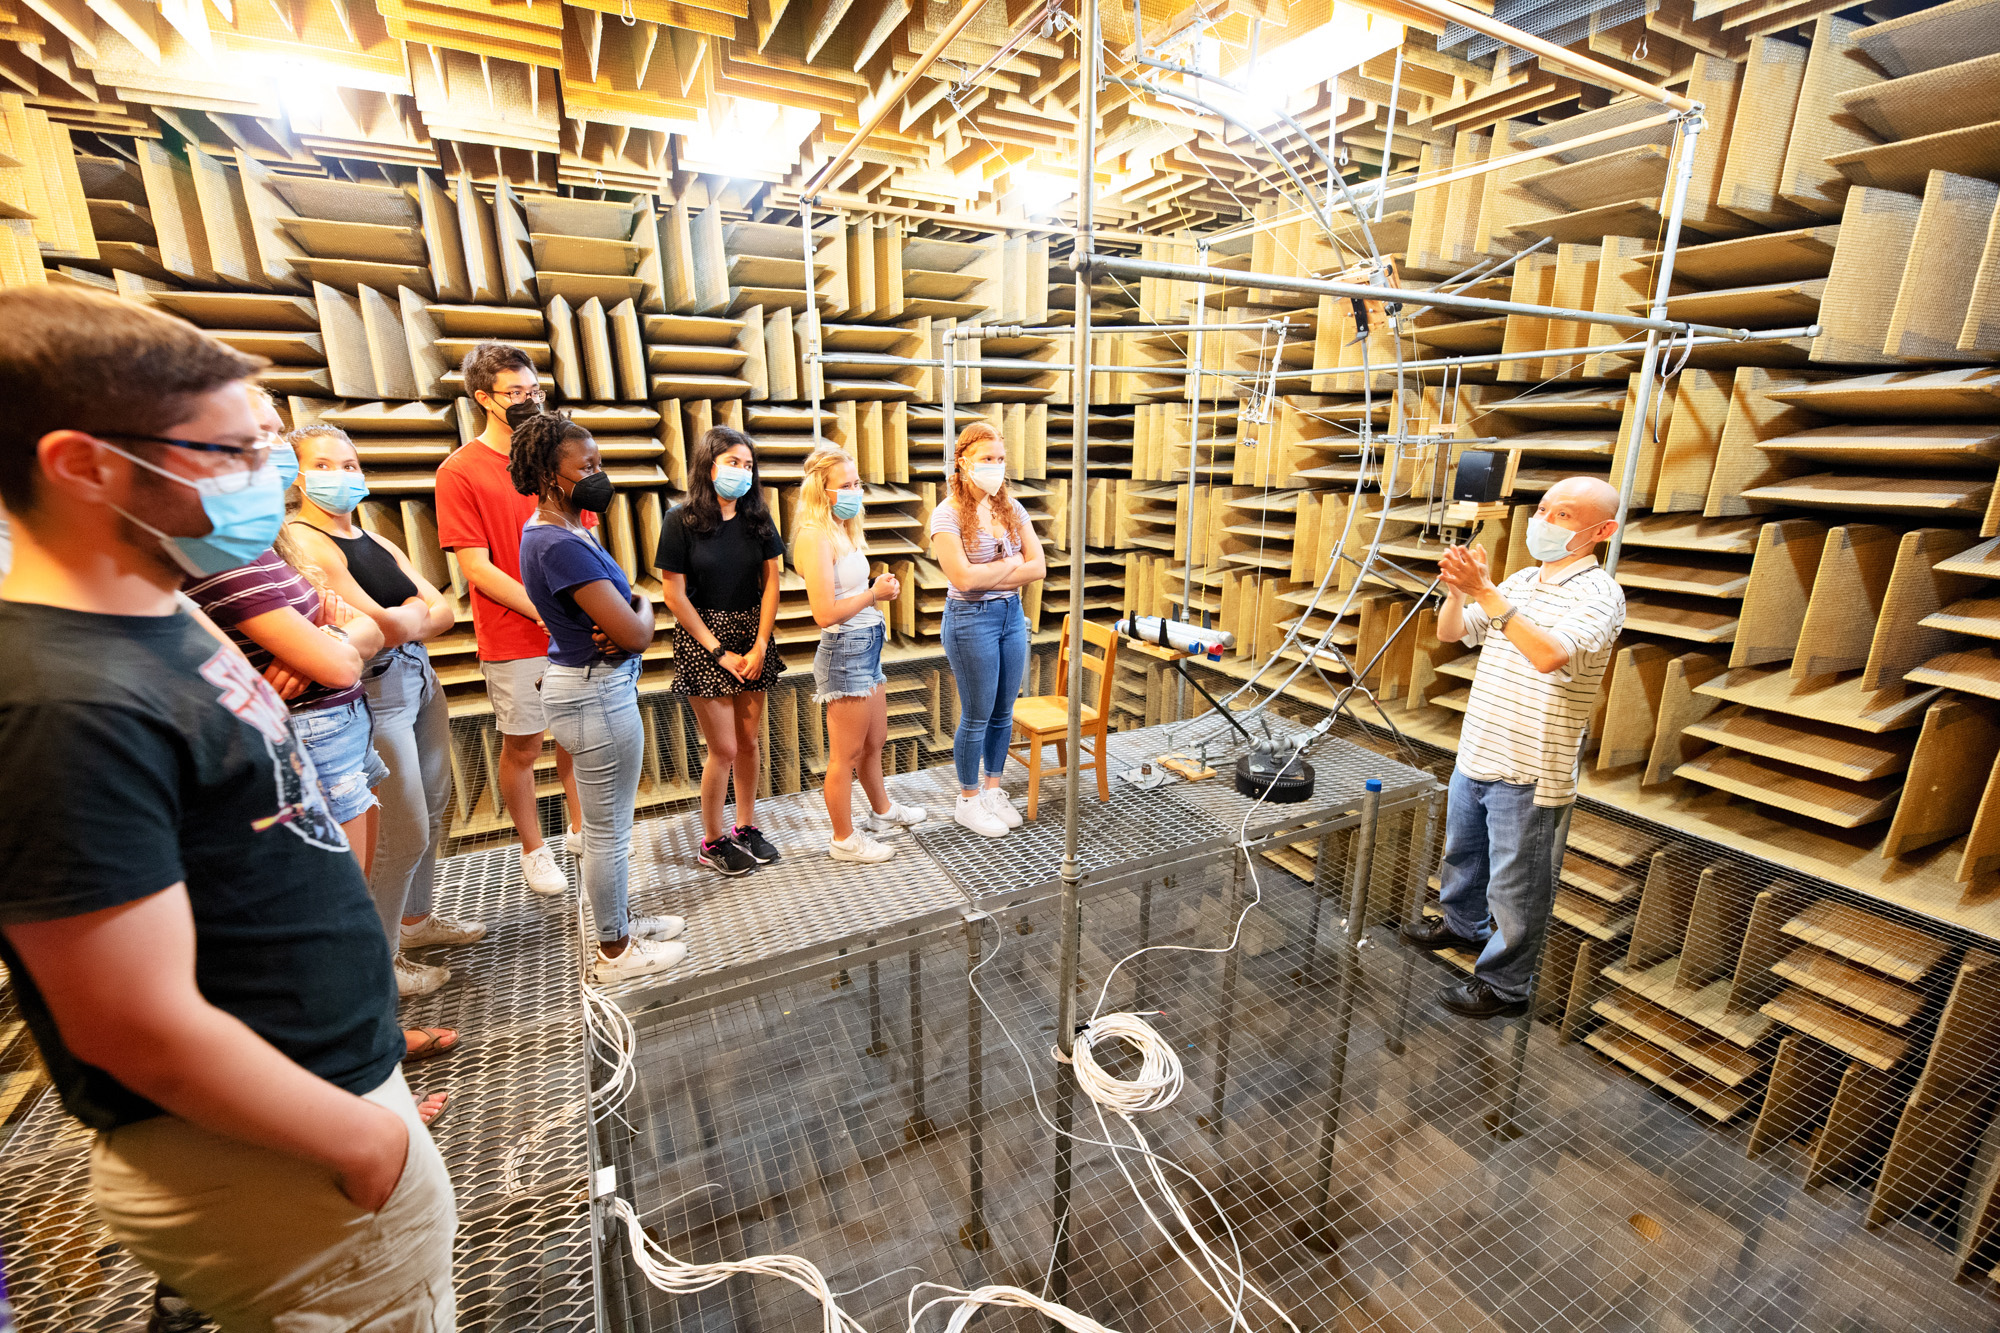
x=1373 y=784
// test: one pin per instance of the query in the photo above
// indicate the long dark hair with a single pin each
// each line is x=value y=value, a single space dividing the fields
x=704 y=506
x=535 y=456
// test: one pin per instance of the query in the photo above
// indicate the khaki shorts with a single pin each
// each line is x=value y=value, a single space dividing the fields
x=516 y=691
x=262 y=1242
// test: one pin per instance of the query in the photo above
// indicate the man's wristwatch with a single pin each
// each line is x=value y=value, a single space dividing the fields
x=1500 y=621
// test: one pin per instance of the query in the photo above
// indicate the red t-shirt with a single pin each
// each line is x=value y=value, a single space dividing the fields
x=477 y=505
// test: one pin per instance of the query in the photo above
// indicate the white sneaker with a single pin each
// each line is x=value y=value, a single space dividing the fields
x=544 y=876
x=973 y=813
x=418 y=978
x=642 y=958
x=1003 y=809
x=893 y=820
x=573 y=842
x=858 y=846
x=656 y=927
x=438 y=928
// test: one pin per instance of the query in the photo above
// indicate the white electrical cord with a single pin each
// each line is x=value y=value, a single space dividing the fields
x=608 y=1033
x=971 y=1302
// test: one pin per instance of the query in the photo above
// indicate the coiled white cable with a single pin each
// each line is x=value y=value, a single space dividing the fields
x=1157 y=1083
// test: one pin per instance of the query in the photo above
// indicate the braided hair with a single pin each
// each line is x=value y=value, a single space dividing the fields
x=536 y=453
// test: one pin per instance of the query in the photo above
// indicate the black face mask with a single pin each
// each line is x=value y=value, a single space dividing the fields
x=593 y=493
x=520 y=414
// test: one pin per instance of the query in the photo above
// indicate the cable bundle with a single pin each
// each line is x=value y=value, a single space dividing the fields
x=681 y=1278
x=1159 y=1081
x=971 y=1302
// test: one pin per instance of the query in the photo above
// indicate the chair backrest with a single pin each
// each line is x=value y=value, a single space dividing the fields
x=1105 y=641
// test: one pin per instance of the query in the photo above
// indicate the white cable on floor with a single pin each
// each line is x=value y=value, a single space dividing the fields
x=680 y=1278
x=971 y=1302
x=610 y=1036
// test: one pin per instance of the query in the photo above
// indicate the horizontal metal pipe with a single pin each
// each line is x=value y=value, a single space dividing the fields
x=1065 y=330
x=1381 y=190
x=1495 y=358
x=1472 y=305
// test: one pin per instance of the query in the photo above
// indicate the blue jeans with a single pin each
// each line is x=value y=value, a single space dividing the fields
x=1498 y=880
x=594 y=714
x=412 y=737
x=337 y=738
x=987 y=646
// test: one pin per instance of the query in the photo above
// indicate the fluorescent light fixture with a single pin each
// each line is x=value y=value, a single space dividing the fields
x=1039 y=192
x=749 y=139
x=1347 y=39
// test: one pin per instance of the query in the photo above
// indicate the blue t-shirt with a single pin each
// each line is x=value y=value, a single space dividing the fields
x=554 y=563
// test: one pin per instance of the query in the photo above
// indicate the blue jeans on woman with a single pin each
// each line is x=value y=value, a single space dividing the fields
x=1498 y=880
x=412 y=737
x=987 y=646
x=594 y=714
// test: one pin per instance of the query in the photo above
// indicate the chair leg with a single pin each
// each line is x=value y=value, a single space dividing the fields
x=1034 y=774
x=1062 y=753
x=1103 y=776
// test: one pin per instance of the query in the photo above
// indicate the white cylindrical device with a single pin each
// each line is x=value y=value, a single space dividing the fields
x=1180 y=636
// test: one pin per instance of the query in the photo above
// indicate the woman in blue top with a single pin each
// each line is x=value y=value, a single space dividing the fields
x=597 y=628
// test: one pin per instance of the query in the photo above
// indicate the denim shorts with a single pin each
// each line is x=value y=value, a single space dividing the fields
x=848 y=665
x=340 y=740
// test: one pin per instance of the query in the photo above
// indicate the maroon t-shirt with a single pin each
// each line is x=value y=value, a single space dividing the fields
x=265 y=584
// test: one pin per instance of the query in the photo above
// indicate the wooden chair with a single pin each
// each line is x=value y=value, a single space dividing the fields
x=1044 y=718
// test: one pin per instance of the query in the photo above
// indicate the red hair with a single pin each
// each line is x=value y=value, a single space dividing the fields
x=965 y=496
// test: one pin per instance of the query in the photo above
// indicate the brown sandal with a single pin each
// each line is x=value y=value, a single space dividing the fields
x=436 y=1042
x=438 y=1115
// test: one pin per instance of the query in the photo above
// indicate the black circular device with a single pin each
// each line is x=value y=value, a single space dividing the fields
x=1257 y=777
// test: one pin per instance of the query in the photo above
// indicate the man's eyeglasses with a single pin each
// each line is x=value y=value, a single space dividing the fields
x=255 y=455
x=514 y=397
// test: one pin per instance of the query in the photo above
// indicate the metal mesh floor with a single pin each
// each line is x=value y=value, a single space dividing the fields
x=513 y=1137
x=775 y=1122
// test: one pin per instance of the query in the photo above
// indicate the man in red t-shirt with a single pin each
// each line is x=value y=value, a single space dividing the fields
x=480 y=515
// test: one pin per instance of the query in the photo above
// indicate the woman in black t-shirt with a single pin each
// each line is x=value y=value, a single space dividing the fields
x=720 y=560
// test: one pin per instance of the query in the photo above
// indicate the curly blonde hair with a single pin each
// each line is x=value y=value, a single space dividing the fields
x=816 y=496
x=965 y=496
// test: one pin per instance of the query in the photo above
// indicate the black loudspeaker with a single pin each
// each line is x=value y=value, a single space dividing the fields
x=1480 y=472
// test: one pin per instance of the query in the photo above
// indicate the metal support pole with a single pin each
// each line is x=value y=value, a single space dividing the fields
x=1318 y=1231
x=1413 y=914
x=1225 y=1019
x=1145 y=941
x=876 y=1044
x=950 y=406
x=973 y=1235
x=1323 y=879
x=1194 y=472
x=1388 y=135
x=919 y=1126
x=1649 y=362
x=812 y=313
x=1082 y=261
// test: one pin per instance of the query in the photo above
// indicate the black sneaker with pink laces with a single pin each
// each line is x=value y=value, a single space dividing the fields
x=751 y=840
x=725 y=857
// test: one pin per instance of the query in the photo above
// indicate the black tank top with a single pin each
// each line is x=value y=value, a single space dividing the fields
x=375 y=570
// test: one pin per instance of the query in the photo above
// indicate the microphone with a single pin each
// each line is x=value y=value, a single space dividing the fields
x=1177 y=635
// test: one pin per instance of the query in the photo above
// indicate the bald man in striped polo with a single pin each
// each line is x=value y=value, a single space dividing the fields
x=1545 y=636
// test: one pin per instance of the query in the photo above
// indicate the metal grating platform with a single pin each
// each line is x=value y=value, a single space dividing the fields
x=513 y=1137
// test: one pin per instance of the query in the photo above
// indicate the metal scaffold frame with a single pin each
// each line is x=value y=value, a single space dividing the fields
x=1086 y=262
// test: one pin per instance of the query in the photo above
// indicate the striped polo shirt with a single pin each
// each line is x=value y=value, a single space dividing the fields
x=1524 y=725
x=266 y=584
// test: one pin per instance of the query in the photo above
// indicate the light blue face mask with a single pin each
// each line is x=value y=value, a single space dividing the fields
x=336 y=492
x=245 y=511
x=847 y=504
x=989 y=477
x=732 y=483
x=286 y=460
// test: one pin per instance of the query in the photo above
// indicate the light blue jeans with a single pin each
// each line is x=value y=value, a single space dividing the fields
x=594 y=714
x=412 y=737
x=1498 y=880
x=337 y=740
x=986 y=644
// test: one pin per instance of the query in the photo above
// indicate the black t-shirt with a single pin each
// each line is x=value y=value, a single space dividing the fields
x=141 y=753
x=724 y=568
